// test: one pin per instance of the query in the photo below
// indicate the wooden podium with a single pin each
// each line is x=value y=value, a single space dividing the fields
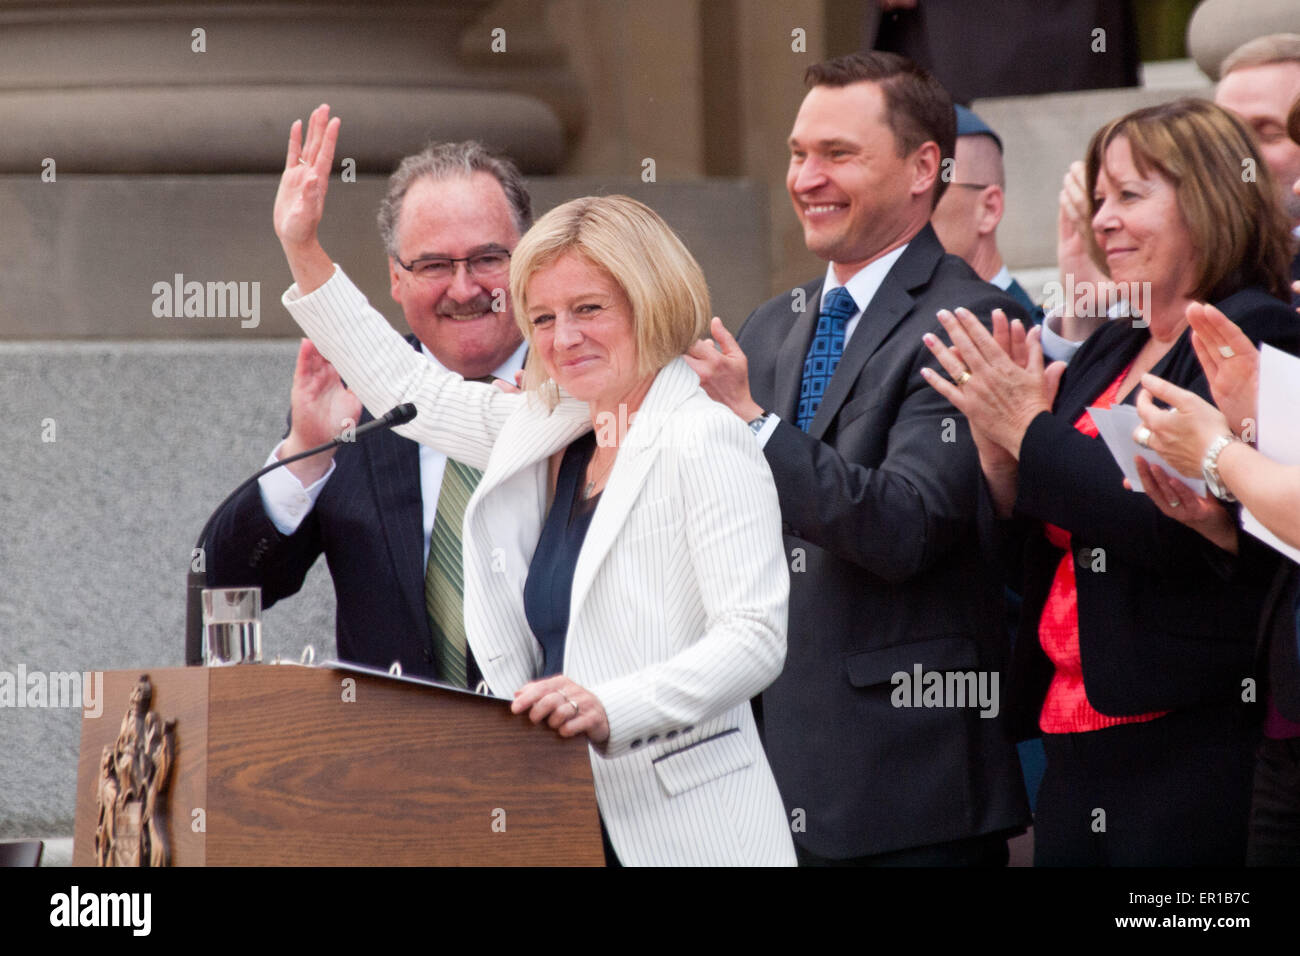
x=287 y=765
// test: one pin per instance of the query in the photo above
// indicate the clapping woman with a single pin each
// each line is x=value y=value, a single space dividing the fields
x=1137 y=632
x=1201 y=440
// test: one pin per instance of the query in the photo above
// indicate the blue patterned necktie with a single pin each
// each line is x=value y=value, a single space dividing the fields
x=824 y=353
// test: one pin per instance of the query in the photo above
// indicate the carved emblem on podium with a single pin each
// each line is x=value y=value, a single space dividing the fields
x=133 y=777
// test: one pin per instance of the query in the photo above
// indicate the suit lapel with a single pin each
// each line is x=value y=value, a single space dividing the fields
x=793 y=351
x=675 y=383
x=394 y=464
x=891 y=303
x=527 y=439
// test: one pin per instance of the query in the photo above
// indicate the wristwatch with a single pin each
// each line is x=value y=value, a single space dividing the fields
x=756 y=425
x=1210 y=468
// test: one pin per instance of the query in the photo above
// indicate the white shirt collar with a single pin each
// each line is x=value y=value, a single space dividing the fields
x=864 y=283
x=1002 y=280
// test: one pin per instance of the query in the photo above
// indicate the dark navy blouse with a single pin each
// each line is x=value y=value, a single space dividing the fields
x=549 y=588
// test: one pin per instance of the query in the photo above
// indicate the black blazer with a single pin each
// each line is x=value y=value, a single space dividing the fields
x=369 y=524
x=1171 y=622
x=878 y=503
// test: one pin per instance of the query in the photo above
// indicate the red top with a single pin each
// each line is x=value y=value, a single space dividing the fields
x=1066 y=709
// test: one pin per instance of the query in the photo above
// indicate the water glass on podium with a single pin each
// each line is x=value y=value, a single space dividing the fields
x=232 y=626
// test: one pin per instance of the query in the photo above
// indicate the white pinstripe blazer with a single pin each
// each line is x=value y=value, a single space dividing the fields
x=680 y=594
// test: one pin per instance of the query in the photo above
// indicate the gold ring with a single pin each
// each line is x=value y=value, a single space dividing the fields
x=963 y=378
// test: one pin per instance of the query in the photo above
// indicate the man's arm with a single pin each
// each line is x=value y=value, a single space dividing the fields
x=898 y=516
x=245 y=549
x=894 y=519
x=266 y=536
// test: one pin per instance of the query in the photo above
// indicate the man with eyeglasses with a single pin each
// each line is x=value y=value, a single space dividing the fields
x=967 y=216
x=386 y=512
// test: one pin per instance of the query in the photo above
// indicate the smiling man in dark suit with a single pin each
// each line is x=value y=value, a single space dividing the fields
x=877 y=482
x=386 y=512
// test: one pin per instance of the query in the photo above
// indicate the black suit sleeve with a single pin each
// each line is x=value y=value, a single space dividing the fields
x=895 y=519
x=1071 y=480
x=245 y=549
x=905 y=512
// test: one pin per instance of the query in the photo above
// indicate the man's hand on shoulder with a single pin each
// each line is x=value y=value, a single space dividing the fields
x=724 y=371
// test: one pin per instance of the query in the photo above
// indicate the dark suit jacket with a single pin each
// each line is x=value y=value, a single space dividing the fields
x=878 y=504
x=368 y=522
x=1171 y=622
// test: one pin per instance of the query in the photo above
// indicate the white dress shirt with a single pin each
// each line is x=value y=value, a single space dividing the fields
x=287 y=502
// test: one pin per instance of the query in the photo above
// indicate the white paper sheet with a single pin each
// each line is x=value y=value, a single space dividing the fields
x=1116 y=426
x=1277 y=428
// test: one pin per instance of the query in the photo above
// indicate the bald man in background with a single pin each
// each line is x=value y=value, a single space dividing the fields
x=967 y=216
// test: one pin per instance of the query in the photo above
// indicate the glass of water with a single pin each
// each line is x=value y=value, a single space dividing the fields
x=232 y=626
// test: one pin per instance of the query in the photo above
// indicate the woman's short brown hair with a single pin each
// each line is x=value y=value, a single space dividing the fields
x=628 y=240
x=1224 y=190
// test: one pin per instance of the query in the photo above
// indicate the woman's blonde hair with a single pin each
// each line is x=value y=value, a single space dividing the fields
x=1223 y=187
x=628 y=240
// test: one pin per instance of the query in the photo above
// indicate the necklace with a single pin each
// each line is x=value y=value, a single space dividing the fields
x=590 y=487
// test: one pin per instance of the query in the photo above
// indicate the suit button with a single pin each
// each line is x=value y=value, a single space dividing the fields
x=652 y=738
x=634 y=744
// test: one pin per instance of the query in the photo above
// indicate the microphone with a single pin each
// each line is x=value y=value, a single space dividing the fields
x=197 y=580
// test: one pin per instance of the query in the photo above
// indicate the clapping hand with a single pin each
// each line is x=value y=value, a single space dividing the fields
x=321 y=407
x=1230 y=361
x=998 y=395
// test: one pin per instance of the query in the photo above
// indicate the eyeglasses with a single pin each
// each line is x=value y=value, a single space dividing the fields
x=485 y=265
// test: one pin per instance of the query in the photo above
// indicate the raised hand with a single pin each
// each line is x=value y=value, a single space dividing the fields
x=1075 y=249
x=1230 y=361
x=300 y=200
x=321 y=408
